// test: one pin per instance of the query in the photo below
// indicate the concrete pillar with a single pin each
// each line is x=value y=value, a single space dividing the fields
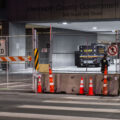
x=17 y=43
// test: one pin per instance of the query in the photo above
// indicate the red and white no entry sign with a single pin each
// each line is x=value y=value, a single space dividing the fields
x=113 y=50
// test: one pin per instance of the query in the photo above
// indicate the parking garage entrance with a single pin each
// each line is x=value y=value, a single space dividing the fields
x=78 y=47
x=71 y=48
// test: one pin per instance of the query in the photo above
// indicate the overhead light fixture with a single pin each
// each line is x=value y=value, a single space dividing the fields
x=94 y=28
x=64 y=23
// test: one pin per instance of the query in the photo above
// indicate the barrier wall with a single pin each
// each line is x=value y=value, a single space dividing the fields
x=70 y=83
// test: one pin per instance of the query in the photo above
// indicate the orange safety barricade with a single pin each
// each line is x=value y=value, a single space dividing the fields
x=15 y=58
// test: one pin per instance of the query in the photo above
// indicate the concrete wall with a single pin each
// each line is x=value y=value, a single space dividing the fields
x=106 y=38
x=66 y=42
x=52 y=10
x=70 y=83
x=29 y=46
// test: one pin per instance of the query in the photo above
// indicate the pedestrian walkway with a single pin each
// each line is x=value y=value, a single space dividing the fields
x=62 y=107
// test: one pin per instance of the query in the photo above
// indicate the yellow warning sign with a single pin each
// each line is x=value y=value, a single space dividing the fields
x=88 y=50
x=36 y=59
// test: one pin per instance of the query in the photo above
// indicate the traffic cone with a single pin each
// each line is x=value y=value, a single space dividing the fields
x=51 y=81
x=105 y=90
x=91 y=87
x=39 y=88
x=81 y=87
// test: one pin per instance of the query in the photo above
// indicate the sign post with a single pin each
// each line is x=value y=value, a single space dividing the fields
x=113 y=51
x=36 y=57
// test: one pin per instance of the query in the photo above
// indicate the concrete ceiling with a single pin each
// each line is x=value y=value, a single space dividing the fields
x=106 y=26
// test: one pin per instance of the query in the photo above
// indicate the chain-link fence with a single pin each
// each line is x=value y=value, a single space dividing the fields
x=15 y=68
x=44 y=45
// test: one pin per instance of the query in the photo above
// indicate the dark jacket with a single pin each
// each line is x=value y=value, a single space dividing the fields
x=104 y=62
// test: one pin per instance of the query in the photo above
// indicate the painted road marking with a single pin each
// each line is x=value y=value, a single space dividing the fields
x=70 y=108
x=92 y=98
x=79 y=102
x=11 y=83
x=82 y=97
x=20 y=85
x=45 y=116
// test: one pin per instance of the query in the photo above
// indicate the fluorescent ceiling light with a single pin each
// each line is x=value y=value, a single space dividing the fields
x=64 y=23
x=94 y=28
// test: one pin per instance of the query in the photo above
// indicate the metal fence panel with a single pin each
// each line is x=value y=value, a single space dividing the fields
x=16 y=75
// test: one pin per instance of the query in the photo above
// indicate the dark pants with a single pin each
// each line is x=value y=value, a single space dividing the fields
x=103 y=69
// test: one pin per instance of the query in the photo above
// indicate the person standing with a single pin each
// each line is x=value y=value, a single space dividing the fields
x=104 y=62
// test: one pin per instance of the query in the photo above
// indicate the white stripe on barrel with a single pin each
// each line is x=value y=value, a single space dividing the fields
x=51 y=83
x=50 y=76
x=105 y=85
x=90 y=85
x=81 y=85
x=105 y=76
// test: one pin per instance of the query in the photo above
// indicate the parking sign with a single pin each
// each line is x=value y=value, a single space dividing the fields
x=113 y=50
x=2 y=47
